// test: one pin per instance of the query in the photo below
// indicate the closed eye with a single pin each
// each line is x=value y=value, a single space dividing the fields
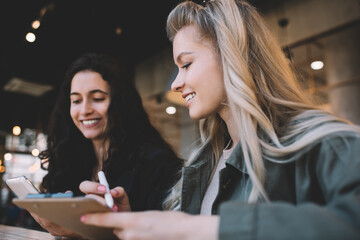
x=75 y=101
x=186 y=65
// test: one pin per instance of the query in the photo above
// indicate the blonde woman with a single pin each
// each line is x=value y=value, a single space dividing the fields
x=270 y=165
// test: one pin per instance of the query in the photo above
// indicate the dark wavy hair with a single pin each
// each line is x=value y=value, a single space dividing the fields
x=70 y=156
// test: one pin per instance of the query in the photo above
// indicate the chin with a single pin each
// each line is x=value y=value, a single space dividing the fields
x=90 y=136
x=196 y=116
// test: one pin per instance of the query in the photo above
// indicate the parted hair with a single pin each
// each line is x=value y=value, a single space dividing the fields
x=262 y=91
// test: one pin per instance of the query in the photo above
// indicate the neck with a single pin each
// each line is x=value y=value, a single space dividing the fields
x=228 y=118
x=100 y=148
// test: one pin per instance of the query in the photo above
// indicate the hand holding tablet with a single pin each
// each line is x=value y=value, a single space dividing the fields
x=62 y=208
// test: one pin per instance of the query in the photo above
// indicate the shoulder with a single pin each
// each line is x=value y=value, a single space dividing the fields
x=329 y=140
x=344 y=146
x=315 y=127
x=336 y=136
x=332 y=157
x=341 y=141
x=334 y=162
x=322 y=138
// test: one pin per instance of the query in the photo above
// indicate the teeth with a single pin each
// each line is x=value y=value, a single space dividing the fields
x=190 y=96
x=88 y=122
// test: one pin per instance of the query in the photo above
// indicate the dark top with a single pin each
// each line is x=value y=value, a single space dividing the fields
x=148 y=184
x=316 y=196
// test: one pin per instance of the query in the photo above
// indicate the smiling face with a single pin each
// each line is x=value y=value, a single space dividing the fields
x=90 y=100
x=200 y=77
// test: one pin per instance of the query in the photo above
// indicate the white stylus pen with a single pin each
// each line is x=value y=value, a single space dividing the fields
x=108 y=198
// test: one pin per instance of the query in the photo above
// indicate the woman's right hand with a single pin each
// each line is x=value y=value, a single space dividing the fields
x=96 y=191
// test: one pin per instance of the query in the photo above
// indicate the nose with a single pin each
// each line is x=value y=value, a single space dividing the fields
x=178 y=84
x=86 y=108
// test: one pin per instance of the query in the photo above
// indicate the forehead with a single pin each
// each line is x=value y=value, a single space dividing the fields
x=188 y=38
x=88 y=80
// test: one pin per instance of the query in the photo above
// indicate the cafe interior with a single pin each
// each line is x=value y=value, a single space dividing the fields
x=40 y=38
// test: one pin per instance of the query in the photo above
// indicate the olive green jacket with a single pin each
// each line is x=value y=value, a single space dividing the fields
x=317 y=196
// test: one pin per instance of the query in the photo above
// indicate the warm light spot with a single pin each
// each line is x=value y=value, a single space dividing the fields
x=35 y=24
x=35 y=152
x=2 y=169
x=7 y=156
x=16 y=130
x=30 y=37
x=118 y=30
x=170 y=110
x=317 y=65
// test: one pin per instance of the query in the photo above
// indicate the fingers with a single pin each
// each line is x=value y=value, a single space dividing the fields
x=132 y=234
x=121 y=199
x=89 y=187
x=109 y=220
x=155 y=225
x=98 y=198
x=94 y=189
x=118 y=192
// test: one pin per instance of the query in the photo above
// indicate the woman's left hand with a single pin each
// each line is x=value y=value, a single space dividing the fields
x=96 y=191
x=156 y=225
x=55 y=229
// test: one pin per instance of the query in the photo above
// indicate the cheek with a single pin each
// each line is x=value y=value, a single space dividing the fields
x=105 y=109
x=218 y=81
x=73 y=113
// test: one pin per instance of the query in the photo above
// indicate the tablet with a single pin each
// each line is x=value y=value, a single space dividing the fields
x=66 y=212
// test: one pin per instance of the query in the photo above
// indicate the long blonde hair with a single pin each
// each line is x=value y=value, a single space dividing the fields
x=262 y=91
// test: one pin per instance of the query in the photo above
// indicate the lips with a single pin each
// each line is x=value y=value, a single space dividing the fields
x=190 y=96
x=90 y=122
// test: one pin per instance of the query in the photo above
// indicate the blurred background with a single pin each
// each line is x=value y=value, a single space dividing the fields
x=40 y=38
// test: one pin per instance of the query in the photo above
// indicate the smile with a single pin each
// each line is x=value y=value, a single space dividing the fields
x=90 y=122
x=190 y=96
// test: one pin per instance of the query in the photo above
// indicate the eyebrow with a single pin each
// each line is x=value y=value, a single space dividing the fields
x=182 y=54
x=91 y=92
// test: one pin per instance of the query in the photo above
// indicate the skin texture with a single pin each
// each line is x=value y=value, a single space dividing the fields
x=96 y=190
x=156 y=225
x=149 y=224
x=200 y=72
x=90 y=100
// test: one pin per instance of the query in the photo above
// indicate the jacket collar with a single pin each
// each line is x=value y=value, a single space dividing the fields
x=195 y=179
x=236 y=159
